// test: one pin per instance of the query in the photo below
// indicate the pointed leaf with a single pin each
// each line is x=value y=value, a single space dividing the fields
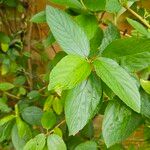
x=119 y=122
x=145 y=85
x=127 y=46
x=67 y=33
x=5 y=86
x=119 y=81
x=70 y=71
x=83 y=98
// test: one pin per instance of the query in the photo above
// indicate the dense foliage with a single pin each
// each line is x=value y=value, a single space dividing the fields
x=100 y=72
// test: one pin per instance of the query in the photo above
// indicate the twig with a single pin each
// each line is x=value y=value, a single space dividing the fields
x=12 y=96
x=138 y=16
x=62 y=122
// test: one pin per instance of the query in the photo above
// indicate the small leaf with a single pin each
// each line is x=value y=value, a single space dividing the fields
x=4 y=47
x=70 y=71
x=119 y=122
x=32 y=115
x=37 y=143
x=5 y=86
x=139 y=27
x=145 y=85
x=57 y=106
x=83 y=98
x=40 y=17
x=119 y=81
x=48 y=120
x=67 y=33
x=89 y=145
x=48 y=103
x=6 y=119
x=55 y=142
x=58 y=132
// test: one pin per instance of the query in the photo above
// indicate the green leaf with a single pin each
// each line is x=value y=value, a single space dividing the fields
x=136 y=62
x=40 y=17
x=33 y=94
x=70 y=3
x=139 y=27
x=4 y=38
x=119 y=122
x=89 y=145
x=58 y=131
x=23 y=128
x=67 y=33
x=32 y=115
x=37 y=143
x=88 y=23
x=55 y=142
x=18 y=142
x=5 y=86
x=4 y=47
x=6 y=119
x=112 y=6
x=127 y=46
x=48 y=41
x=4 y=107
x=83 y=98
x=48 y=103
x=119 y=81
x=145 y=104
x=145 y=85
x=70 y=71
x=111 y=33
x=5 y=131
x=48 y=120
x=57 y=106
x=97 y=5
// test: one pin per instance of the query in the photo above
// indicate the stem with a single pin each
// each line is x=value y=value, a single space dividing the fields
x=12 y=96
x=16 y=110
x=138 y=16
x=62 y=122
x=83 y=4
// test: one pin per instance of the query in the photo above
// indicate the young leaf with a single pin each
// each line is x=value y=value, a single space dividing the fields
x=139 y=27
x=70 y=3
x=37 y=143
x=32 y=115
x=145 y=85
x=5 y=86
x=127 y=46
x=40 y=17
x=70 y=71
x=67 y=33
x=55 y=142
x=89 y=145
x=83 y=98
x=48 y=120
x=57 y=106
x=119 y=122
x=119 y=81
